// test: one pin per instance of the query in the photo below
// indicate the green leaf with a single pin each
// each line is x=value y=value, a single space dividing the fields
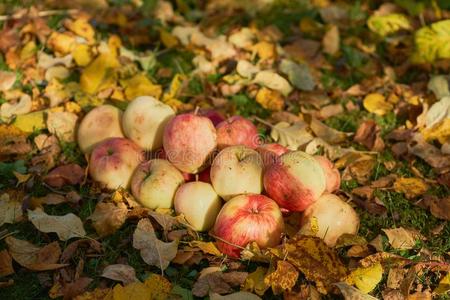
x=299 y=75
x=388 y=24
x=432 y=42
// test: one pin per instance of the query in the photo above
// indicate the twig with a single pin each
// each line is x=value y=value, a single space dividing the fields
x=45 y=13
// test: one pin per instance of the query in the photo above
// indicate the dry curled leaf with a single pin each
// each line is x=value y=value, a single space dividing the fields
x=33 y=257
x=369 y=135
x=283 y=278
x=153 y=251
x=314 y=259
x=401 y=238
x=217 y=282
x=119 y=272
x=108 y=217
x=66 y=227
x=291 y=136
x=70 y=174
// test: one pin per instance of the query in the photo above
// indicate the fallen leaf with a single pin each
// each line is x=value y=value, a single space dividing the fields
x=82 y=28
x=207 y=247
x=119 y=272
x=10 y=209
x=443 y=286
x=401 y=238
x=66 y=227
x=387 y=24
x=71 y=174
x=411 y=187
x=153 y=251
x=377 y=104
x=33 y=257
x=283 y=278
x=440 y=208
x=255 y=282
x=273 y=81
x=62 y=125
x=98 y=73
x=108 y=217
x=438 y=84
x=270 y=99
x=234 y=296
x=314 y=259
x=299 y=75
x=366 y=279
x=265 y=50
x=331 y=40
x=72 y=248
x=211 y=283
x=395 y=277
x=326 y=133
x=61 y=42
x=6 y=267
x=140 y=85
x=21 y=107
x=13 y=141
x=7 y=80
x=431 y=42
x=30 y=122
x=369 y=135
x=97 y=294
x=75 y=288
x=352 y=293
x=291 y=136
x=246 y=69
x=166 y=221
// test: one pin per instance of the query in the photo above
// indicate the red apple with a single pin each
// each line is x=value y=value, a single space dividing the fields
x=189 y=141
x=113 y=162
x=296 y=181
x=270 y=153
x=101 y=123
x=237 y=131
x=213 y=115
x=331 y=173
x=248 y=218
x=329 y=218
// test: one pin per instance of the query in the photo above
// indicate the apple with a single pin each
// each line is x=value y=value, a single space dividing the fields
x=329 y=218
x=189 y=141
x=199 y=204
x=237 y=131
x=160 y=153
x=270 y=153
x=144 y=121
x=296 y=181
x=248 y=218
x=331 y=173
x=155 y=182
x=237 y=170
x=213 y=115
x=101 y=123
x=113 y=162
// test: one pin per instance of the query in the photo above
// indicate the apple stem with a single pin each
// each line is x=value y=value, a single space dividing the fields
x=196 y=110
x=196 y=177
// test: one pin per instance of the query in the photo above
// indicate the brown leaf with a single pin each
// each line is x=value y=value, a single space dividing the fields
x=328 y=134
x=119 y=272
x=33 y=257
x=211 y=283
x=440 y=208
x=108 y=217
x=411 y=187
x=153 y=251
x=283 y=278
x=395 y=276
x=352 y=293
x=72 y=248
x=73 y=289
x=6 y=267
x=368 y=134
x=384 y=258
x=331 y=40
x=401 y=238
x=432 y=155
x=166 y=221
x=13 y=141
x=71 y=174
x=313 y=258
x=330 y=110
x=10 y=209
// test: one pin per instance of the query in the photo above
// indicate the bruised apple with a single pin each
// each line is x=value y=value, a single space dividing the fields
x=113 y=162
x=144 y=121
x=270 y=153
x=329 y=218
x=331 y=173
x=237 y=170
x=245 y=219
x=189 y=141
x=155 y=182
x=199 y=204
x=296 y=181
x=237 y=131
x=101 y=123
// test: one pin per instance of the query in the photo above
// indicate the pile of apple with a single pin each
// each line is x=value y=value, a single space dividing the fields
x=206 y=160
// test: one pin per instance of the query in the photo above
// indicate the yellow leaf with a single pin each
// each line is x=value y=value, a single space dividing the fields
x=167 y=39
x=160 y=287
x=283 y=278
x=270 y=99
x=366 y=279
x=81 y=27
x=314 y=259
x=140 y=85
x=98 y=73
x=21 y=178
x=206 y=247
x=82 y=55
x=255 y=282
x=411 y=187
x=97 y=294
x=155 y=287
x=444 y=285
x=28 y=50
x=388 y=24
x=61 y=42
x=376 y=103
x=401 y=238
x=314 y=226
x=265 y=50
x=30 y=122
x=432 y=42
x=441 y=132
x=273 y=81
x=114 y=44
